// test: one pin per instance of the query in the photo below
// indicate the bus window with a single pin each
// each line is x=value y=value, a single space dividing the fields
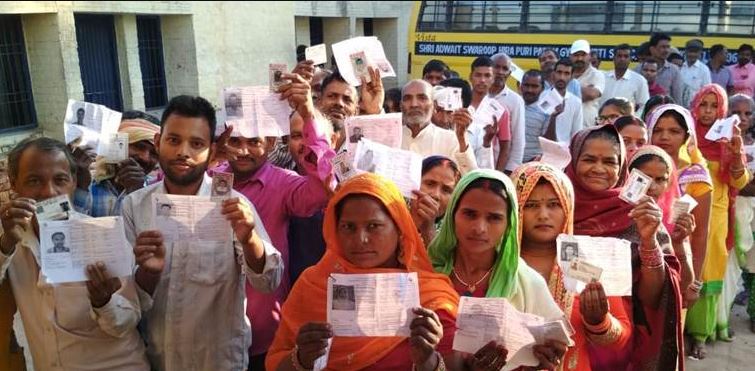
x=582 y=16
x=731 y=18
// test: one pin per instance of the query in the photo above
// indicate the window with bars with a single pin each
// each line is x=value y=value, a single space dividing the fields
x=16 y=100
x=151 y=61
x=730 y=18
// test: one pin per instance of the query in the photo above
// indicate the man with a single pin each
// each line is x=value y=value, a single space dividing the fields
x=192 y=291
x=278 y=195
x=623 y=82
x=743 y=73
x=650 y=72
x=441 y=117
x=548 y=59
x=536 y=121
x=425 y=139
x=595 y=59
x=675 y=57
x=356 y=135
x=104 y=196
x=79 y=116
x=567 y=119
x=233 y=105
x=88 y=326
x=514 y=104
x=694 y=73
x=668 y=76
x=592 y=81
x=719 y=73
x=434 y=72
x=480 y=132
x=643 y=52
x=58 y=243
x=338 y=101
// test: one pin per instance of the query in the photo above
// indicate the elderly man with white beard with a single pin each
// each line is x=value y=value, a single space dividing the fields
x=421 y=137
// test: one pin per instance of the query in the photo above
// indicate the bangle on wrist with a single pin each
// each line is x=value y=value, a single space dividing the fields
x=441 y=365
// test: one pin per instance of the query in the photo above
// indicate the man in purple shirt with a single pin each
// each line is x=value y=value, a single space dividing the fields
x=278 y=195
x=743 y=73
x=719 y=73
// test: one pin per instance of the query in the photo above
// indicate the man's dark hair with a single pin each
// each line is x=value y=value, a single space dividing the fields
x=658 y=37
x=435 y=65
x=190 y=106
x=466 y=90
x=744 y=47
x=58 y=234
x=333 y=77
x=134 y=114
x=482 y=61
x=644 y=49
x=715 y=49
x=535 y=73
x=43 y=144
x=547 y=50
x=564 y=62
x=623 y=46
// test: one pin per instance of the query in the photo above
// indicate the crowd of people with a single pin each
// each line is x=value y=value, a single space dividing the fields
x=484 y=222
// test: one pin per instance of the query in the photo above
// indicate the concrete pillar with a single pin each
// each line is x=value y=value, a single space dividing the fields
x=180 y=55
x=301 y=25
x=129 y=67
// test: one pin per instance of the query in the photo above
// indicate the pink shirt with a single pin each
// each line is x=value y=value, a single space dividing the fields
x=743 y=79
x=279 y=194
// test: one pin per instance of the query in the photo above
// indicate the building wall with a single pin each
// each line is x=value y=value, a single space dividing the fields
x=206 y=46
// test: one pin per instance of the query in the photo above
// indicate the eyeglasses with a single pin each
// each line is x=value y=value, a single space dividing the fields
x=605 y=119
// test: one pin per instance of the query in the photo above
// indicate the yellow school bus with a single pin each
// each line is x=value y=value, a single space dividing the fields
x=459 y=31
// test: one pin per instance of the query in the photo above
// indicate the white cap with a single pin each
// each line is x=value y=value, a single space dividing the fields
x=580 y=46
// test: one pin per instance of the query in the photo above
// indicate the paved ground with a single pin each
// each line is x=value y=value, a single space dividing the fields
x=735 y=356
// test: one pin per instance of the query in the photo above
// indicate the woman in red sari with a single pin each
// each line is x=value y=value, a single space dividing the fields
x=598 y=171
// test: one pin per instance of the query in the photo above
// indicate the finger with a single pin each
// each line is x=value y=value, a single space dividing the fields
x=150 y=233
x=424 y=312
x=427 y=334
x=149 y=241
x=143 y=258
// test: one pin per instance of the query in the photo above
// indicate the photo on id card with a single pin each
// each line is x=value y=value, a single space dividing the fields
x=276 y=76
x=222 y=184
x=56 y=208
x=359 y=64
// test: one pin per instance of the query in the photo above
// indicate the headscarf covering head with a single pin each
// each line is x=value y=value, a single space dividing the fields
x=602 y=213
x=443 y=247
x=667 y=198
x=139 y=130
x=527 y=177
x=307 y=301
x=688 y=152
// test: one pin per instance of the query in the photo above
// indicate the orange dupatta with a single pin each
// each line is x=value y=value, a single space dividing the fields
x=307 y=300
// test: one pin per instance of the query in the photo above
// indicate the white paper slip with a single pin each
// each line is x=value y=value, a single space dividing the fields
x=482 y=320
x=383 y=129
x=377 y=304
x=369 y=49
x=683 y=205
x=402 y=167
x=322 y=362
x=516 y=72
x=55 y=208
x=549 y=100
x=722 y=128
x=68 y=246
x=317 y=54
x=636 y=187
x=488 y=112
x=612 y=255
x=448 y=98
x=189 y=218
x=254 y=112
x=342 y=166
x=222 y=185
x=89 y=124
x=116 y=148
x=555 y=154
x=553 y=330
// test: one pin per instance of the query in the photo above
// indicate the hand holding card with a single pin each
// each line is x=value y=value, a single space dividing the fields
x=636 y=187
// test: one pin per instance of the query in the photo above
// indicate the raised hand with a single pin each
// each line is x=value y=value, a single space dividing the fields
x=299 y=95
x=241 y=217
x=312 y=342
x=593 y=303
x=130 y=175
x=150 y=252
x=549 y=354
x=15 y=213
x=426 y=332
x=647 y=216
x=424 y=209
x=372 y=93
x=101 y=286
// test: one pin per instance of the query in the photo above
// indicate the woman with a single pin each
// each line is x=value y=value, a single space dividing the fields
x=367 y=229
x=477 y=247
x=664 y=189
x=633 y=132
x=708 y=318
x=598 y=172
x=614 y=108
x=672 y=129
x=744 y=106
x=439 y=177
x=546 y=206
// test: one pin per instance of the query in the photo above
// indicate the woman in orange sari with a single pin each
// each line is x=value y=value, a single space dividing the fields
x=367 y=229
x=546 y=209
